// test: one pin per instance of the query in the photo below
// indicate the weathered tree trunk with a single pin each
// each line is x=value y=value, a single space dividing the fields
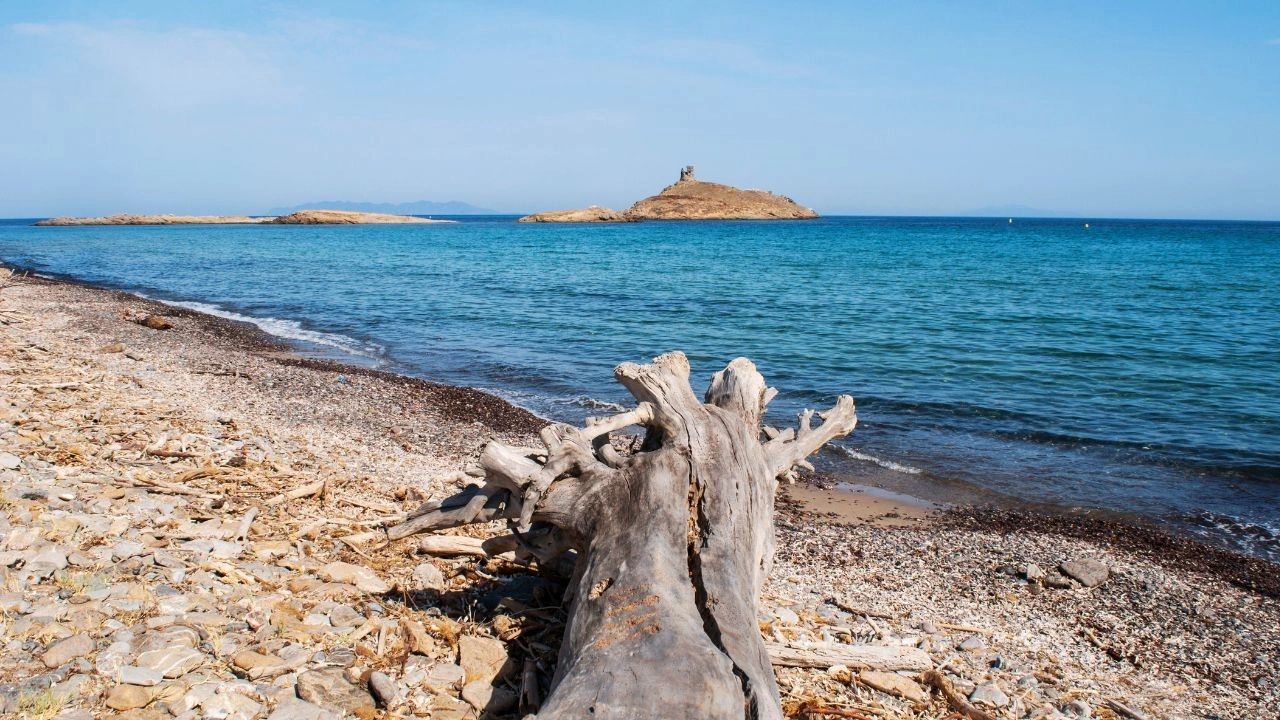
x=674 y=542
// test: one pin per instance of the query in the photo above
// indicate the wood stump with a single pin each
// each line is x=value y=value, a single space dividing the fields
x=672 y=542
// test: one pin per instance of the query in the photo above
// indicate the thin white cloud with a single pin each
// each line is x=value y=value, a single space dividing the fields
x=165 y=68
x=1274 y=41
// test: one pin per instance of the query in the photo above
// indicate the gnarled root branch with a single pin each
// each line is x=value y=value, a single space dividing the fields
x=674 y=541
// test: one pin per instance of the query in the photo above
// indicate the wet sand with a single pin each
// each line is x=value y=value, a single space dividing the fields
x=850 y=504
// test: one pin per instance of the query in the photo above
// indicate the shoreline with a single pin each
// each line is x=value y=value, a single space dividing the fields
x=849 y=505
x=377 y=432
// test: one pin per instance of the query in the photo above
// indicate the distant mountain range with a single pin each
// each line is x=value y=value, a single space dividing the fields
x=421 y=207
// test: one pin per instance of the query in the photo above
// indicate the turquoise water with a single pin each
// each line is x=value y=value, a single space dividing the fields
x=1131 y=366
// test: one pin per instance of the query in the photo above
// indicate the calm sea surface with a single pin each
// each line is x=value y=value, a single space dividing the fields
x=1132 y=366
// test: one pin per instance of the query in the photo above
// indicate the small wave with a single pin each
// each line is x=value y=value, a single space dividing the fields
x=593 y=404
x=288 y=329
x=1256 y=538
x=886 y=464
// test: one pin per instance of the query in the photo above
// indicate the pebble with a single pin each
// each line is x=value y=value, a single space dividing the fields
x=329 y=687
x=64 y=651
x=482 y=658
x=295 y=709
x=383 y=689
x=9 y=461
x=358 y=575
x=172 y=662
x=428 y=577
x=248 y=660
x=416 y=638
x=786 y=616
x=972 y=643
x=989 y=694
x=445 y=676
x=1078 y=708
x=134 y=675
x=485 y=697
x=345 y=616
x=129 y=697
x=892 y=684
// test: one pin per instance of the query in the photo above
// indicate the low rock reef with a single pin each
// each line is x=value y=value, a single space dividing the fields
x=690 y=199
x=304 y=217
x=595 y=213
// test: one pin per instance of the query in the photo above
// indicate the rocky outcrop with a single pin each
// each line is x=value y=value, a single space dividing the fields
x=347 y=217
x=132 y=219
x=691 y=199
x=595 y=213
x=303 y=217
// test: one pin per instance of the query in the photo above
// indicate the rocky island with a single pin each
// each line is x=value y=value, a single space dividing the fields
x=304 y=217
x=690 y=199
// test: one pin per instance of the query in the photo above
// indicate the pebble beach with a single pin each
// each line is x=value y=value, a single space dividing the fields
x=185 y=513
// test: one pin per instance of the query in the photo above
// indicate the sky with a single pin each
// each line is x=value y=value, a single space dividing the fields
x=1136 y=109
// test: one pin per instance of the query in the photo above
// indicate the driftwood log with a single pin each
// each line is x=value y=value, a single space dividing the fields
x=672 y=542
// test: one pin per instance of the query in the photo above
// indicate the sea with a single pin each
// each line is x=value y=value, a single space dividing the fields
x=1126 y=367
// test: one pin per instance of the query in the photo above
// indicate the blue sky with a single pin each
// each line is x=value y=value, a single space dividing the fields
x=1138 y=109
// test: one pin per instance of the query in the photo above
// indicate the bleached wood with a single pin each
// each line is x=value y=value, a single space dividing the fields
x=857 y=657
x=673 y=543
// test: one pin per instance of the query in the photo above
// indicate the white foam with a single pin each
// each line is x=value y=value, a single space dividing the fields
x=288 y=329
x=591 y=403
x=886 y=464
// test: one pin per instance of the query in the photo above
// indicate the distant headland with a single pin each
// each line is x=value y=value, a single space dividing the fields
x=690 y=199
x=302 y=217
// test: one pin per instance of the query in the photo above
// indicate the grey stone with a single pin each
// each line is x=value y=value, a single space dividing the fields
x=50 y=555
x=330 y=687
x=64 y=651
x=345 y=616
x=358 y=575
x=1078 y=708
x=989 y=694
x=973 y=642
x=231 y=704
x=172 y=662
x=134 y=675
x=126 y=549
x=786 y=616
x=383 y=688
x=110 y=660
x=445 y=676
x=220 y=549
x=1033 y=572
x=428 y=577
x=488 y=699
x=483 y=658
x=295 y=709
x=1089 y=573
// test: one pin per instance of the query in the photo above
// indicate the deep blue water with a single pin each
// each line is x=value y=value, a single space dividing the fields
x=1131 y=366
